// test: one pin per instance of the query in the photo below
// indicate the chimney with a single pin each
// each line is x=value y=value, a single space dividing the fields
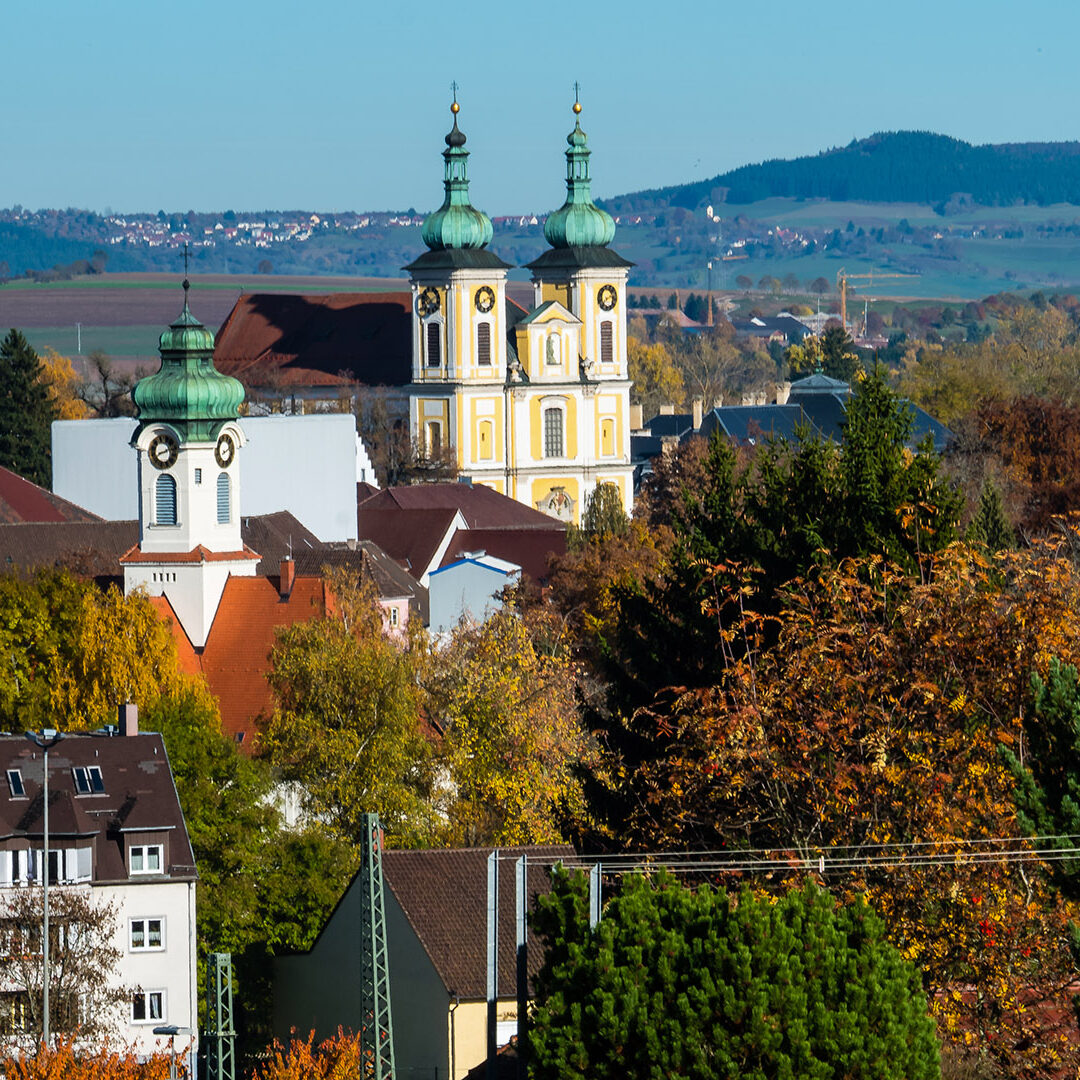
x=637 y=419
x=667 y=410
x=127 y=716
x=783 y=392
x=698 y=405
x=718 y=401
x=288 y=576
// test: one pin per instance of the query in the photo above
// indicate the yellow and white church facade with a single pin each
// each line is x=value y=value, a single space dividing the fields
x=535 y=404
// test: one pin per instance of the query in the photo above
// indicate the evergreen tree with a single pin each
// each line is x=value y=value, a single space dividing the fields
x=699 y=985
x=26 y=411
x=1047 y=795
x=604 y=517
x=989 y=528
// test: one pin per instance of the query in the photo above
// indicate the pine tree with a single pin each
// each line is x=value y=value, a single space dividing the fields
x=700 y=985
x=1047 y=795
x=26 y=411
x=990 y=528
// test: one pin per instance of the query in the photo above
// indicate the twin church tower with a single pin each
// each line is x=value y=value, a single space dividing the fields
x=535 y=404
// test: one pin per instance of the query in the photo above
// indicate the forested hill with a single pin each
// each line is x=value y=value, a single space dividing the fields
x=900 y=166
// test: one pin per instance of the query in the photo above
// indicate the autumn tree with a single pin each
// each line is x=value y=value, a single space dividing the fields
x=27 y=411
x=513 y=746
x=656 y=379
x=85 y=994
x=700 y=984
x=58 y=373
x=70 y=1058
x=346 y=727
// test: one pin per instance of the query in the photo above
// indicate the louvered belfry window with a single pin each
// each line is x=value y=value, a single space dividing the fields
x=165 y=500
x=607 y=347
x=434 y=352
x=223 y=498
x=483 y=344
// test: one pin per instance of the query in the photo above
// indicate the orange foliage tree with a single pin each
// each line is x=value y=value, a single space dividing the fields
x=65 y=1062
x=877 y=719
x=339 y=1058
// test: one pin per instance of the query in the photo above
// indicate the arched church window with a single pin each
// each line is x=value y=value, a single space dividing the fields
x=223 y=500
x=434 y=343
x=165 y=500
x=553 y=433
x=433 y=437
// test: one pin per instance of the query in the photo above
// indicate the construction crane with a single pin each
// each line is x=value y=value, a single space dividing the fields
x=843 y=277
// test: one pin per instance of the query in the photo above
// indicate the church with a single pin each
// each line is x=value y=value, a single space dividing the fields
x=534 y=404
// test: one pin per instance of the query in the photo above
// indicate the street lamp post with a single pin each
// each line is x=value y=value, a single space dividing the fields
x=172 y=1030
x=46 y=740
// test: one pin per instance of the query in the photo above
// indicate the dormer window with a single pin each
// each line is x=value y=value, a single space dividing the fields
x=15 y=784
x=145 y=859
x=88 y=781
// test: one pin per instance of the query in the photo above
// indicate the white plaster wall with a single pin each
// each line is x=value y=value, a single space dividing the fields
x=465 y=588
x=172 y=969
x=304 y=464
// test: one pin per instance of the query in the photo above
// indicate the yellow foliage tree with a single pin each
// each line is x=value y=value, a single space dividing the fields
x=503 y=695
x=59 y=374
x=657 y=381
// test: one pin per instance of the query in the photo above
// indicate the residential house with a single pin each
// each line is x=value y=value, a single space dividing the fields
x=436 y=930
x=117 y=834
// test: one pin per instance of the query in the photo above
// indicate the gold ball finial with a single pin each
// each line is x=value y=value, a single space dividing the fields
x=577 y=106
x=455 y=108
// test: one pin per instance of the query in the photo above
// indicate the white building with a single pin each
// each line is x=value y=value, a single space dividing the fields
x=117 y=836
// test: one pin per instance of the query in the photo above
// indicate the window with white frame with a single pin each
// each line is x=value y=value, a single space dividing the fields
x=146 y=935
x=553 y=432
x=88 y=780
x=393 y=613
x=144 y=859
x=148 y=1006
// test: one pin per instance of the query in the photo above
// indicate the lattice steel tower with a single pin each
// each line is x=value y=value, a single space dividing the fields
x=376 y=1026
x=221 y=1033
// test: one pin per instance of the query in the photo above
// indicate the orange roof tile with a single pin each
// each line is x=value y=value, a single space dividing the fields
x=197 y=554
x=236 y=656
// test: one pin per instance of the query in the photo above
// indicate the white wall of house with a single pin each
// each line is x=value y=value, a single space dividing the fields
x=469 y=588
x=307 y=465
x=169 y=969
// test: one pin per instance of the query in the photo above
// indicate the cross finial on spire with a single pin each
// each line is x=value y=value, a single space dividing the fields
x=454 y=106
x=187 y=284
x=577 y=96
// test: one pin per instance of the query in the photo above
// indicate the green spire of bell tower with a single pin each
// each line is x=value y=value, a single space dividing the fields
x=579 y=222
x=457 y=223
x=188 y=392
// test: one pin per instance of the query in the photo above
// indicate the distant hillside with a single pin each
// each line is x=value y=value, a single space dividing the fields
x=901 y=166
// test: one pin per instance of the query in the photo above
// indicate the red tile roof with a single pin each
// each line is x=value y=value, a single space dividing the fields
x=528 y=548
x=293 y=340
x=235 y=659
x=482 y=507
x=198 y=554
x=22 y=501
x=412 y=537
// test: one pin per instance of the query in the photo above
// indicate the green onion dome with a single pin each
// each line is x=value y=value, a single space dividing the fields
x=579 y=222
x=457 y=223
x=187 y=390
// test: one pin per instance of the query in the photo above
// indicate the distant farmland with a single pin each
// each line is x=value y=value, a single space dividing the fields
x=123 y=314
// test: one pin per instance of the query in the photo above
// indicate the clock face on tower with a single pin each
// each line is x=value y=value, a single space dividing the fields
x=606 y=297
x=428 y=301
x=162 y=451
x=485 y=299
x=225 y=451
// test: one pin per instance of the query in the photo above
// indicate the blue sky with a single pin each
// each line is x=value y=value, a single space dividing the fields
x=336 y=105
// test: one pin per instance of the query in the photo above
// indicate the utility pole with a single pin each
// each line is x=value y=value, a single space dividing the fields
x=376 y=1022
